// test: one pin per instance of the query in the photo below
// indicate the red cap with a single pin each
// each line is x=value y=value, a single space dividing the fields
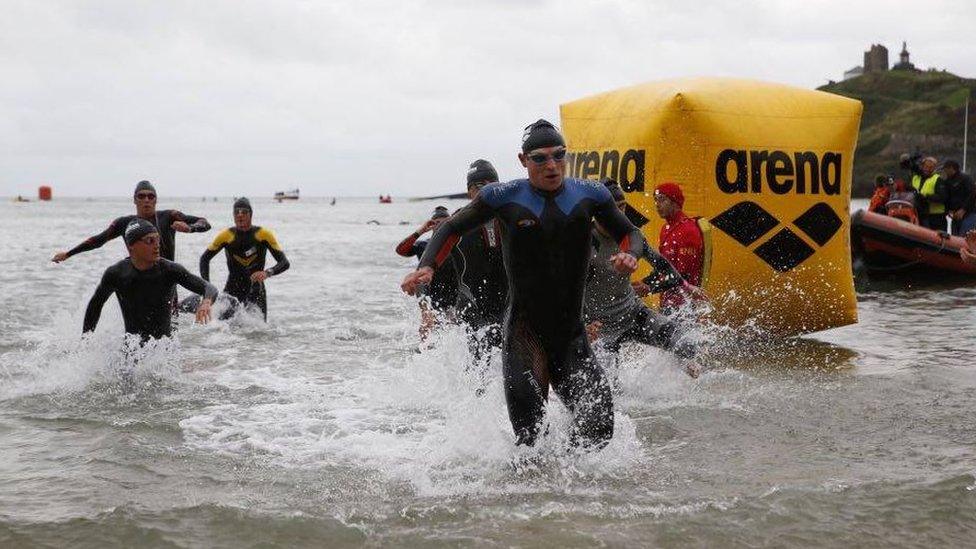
x=672 y=191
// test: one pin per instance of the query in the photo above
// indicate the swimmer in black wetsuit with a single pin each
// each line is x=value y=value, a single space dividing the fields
x=442 y=288
x=143 y=284
x=246 y=247
x=611 y=305
x=167 y=222
x=479 y=275
x=546 y=223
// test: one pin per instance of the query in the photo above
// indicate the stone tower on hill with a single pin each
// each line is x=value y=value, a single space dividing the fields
x=904 y=64
x=876 y=59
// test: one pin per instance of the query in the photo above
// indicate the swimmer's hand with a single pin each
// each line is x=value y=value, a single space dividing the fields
x=180 y=226
x=624 y=263
x=593 y=330
x=694 y=292
x=641 y=289
x=417 y=278
x=429 y=225
x=203 y=311
x=259 y=276
x=967 y=256
x=59 y=257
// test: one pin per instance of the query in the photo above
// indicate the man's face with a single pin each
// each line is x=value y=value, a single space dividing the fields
x=665 y=206
x=546 y=167
x=145 y=202
x=949 y=171
x=928 y=167
x=146 y=249
x=242 y=218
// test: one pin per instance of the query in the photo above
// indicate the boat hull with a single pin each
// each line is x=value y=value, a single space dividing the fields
x=886 y=245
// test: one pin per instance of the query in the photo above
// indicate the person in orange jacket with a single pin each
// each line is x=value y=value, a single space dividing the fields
x=681 y=242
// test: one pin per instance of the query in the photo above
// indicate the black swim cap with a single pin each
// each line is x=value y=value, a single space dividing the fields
x=615 y=191
x=242 y=203
x=481 y=171
x=136 y=229
x=439 y=212
x=144 y=186
x=541 y=134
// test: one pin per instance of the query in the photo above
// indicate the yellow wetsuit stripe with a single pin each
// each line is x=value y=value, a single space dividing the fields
x=222 y=239
x=264 y=235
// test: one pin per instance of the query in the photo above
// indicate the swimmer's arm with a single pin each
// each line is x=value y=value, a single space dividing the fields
x=405 y=247
x=624 y=232
x=281 y=264
x=114 y=230
x=196 y=224
x=192 y=282
x=205 y=258
x=665 y=276
x=468 y=218
x=94 y=311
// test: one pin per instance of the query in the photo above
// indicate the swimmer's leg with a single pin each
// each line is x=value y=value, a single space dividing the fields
x=582 y=385
x=652 y=328
x=526 y=382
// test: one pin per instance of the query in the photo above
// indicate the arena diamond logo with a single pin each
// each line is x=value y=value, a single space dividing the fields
x=747 y=222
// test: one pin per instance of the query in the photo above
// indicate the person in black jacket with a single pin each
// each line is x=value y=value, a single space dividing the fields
x=960 y=193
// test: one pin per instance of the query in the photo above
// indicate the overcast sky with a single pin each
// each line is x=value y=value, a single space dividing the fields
x=358 y=98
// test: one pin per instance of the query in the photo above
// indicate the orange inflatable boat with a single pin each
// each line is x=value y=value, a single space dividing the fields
x=885 y=244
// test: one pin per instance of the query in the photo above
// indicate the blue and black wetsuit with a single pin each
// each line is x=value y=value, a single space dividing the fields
x=546 y=247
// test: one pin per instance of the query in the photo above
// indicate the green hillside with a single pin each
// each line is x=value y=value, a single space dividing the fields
x=907 y=112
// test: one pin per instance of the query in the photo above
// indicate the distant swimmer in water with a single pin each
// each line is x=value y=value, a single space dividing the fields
x=442 y=288
x=246 y=247
x=546 y=223
x=143 y=284
x=167 y=222
x=611 y=305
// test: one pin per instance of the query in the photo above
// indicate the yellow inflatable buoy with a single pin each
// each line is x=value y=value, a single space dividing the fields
x=767 y=167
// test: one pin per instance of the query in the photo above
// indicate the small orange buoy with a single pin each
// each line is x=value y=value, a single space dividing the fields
x=44 y=192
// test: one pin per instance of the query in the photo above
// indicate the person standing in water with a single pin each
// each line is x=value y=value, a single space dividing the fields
x=167 y=222
x=612 y=307
x=441 y=292
x=682 y=243
x=482 y=286
x=246 y=247
x=546 y=223
x=143 y=284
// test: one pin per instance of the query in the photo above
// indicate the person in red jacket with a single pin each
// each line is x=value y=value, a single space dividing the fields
x=681 y=242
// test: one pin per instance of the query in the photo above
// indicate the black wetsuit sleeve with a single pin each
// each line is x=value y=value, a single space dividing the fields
x=623 y=231
x=114 y=230
x=476 y=213
x=197 y=224
x=281 y=265
x=94 y=311
x=192 y=282
x=665 y=276
x=205 y=258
